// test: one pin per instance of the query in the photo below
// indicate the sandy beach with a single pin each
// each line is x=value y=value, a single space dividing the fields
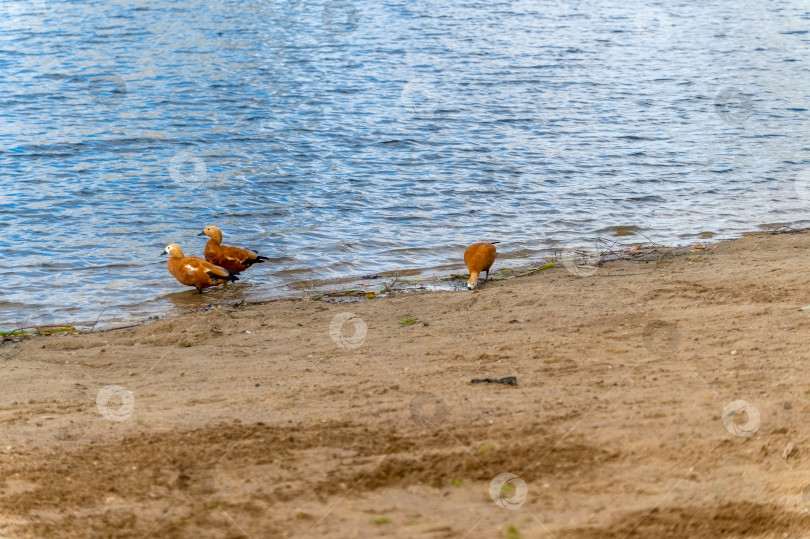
x=661 y=396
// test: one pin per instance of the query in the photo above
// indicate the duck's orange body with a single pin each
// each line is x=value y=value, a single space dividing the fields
x=194 y=271
x=479 y=257
x=233 y=259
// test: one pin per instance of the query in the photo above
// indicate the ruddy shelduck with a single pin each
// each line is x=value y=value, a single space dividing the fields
x=194 y=271
x=233 y=259
x=479 y=257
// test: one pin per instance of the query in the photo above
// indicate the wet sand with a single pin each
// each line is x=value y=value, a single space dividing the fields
x=255 y=421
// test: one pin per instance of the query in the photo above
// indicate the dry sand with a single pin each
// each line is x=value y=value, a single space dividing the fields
x=253 y=422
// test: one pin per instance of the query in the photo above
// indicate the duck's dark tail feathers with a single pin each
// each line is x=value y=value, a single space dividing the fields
x=494 y=242
x=257 y=260
x=230 y=277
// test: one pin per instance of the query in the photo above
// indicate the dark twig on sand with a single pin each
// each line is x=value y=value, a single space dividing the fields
x=508 y=380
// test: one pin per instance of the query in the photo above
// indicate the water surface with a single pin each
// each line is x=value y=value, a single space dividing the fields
x=350 y=138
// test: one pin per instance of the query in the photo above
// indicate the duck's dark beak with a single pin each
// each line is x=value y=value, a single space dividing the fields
x=201 y=233
x=163 y=253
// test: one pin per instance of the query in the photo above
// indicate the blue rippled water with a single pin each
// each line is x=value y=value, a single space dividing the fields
x=347 y=138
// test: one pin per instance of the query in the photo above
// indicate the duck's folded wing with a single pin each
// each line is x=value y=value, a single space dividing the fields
x=197 y=266
x=216 y=257
x=216 y=271
x=238 y=254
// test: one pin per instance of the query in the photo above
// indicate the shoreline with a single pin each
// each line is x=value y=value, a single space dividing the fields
x=303 y=417
x=407 y=280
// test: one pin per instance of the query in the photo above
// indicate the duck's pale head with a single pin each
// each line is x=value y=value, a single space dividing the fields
x=173 y=250
x=212 y=232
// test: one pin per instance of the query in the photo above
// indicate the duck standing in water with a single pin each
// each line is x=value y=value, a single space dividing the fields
x=233 y=259
x=194 y=271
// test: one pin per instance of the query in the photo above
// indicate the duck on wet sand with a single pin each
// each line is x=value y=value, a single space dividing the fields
x=479 y=257
x=194 y=271
x=233 y=259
